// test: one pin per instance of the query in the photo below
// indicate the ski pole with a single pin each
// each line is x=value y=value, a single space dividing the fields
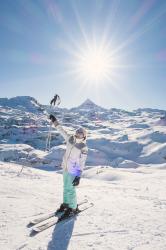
x=53 y=103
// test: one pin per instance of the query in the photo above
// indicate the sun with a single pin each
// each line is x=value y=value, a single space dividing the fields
x=93 y=64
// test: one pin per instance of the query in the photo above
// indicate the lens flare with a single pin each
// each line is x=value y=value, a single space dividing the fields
x=94 y=65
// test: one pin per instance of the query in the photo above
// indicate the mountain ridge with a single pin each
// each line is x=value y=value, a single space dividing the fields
x=30 y=104
x=24 y=103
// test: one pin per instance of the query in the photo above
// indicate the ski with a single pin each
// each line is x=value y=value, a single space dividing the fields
x=40 y=219
x=43 y=226
x=49 y=215
x=79 y=211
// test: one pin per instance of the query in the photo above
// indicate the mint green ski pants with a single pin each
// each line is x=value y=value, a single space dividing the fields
x=69 y=191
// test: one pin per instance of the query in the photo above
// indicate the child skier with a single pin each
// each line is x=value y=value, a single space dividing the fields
x=72 y=164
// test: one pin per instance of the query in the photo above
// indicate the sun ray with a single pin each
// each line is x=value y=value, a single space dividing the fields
x=80 y=23
x=97 y=61
x=139 y=33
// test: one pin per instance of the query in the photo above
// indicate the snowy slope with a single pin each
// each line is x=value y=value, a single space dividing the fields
x=129 y=211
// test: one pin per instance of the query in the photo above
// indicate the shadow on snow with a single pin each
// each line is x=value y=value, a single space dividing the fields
x=61 y=235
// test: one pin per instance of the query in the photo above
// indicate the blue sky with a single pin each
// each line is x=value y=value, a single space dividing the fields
x=42 y=41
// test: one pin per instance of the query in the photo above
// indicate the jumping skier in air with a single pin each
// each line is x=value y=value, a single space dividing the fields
x=72 y=164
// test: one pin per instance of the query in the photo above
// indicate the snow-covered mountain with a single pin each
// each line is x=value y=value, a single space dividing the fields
x=24 y=103
x=115 y=137
x=87 y=106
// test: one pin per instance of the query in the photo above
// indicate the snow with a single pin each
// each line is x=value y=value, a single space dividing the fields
x=129 y=209
x=154 y=153
x=88 y=105
x=25 y=103
x=27 y=155
x=112 y=133
x=124 y=177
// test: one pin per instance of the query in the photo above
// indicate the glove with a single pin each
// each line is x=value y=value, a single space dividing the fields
x=76 y=181
x=53 y=119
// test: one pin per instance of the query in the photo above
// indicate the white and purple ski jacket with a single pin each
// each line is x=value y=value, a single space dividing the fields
x=76 y=153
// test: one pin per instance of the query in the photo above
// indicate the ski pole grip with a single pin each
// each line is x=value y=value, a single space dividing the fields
x=53 y=119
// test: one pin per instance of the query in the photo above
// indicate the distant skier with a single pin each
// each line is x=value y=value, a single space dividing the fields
x=72 y=164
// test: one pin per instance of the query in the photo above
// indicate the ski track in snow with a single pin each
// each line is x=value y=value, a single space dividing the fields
x=129 y=212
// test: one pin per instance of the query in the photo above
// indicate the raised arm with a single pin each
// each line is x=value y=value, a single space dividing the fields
x=59 y=128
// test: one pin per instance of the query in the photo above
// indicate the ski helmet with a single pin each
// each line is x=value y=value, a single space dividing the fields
x=81 y=131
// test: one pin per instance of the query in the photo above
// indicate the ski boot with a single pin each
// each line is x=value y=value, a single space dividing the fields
x=69 y=212
x=63 y=208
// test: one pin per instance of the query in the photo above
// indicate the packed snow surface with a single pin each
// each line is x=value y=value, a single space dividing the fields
x=129 y=209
